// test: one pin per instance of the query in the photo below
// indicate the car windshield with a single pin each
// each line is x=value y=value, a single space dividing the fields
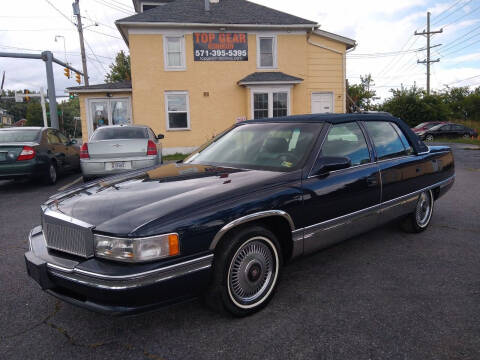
x=29 y=135
x=116 y=133
x=267 y=146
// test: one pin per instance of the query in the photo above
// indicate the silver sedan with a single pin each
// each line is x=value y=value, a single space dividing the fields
x=119 y=148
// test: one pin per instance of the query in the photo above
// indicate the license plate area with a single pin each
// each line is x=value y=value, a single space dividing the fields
x=118 y=165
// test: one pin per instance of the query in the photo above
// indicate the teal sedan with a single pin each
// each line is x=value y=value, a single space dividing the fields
x=36 y=152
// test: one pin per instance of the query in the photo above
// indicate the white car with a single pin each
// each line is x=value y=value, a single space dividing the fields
x=119 y=148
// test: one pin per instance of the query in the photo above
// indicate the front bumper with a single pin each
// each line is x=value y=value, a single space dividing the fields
x=97 y=167
x=112 y=288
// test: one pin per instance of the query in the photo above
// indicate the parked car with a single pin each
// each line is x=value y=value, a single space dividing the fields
x=426 y=125
x=226 y=220
x=119 y=148
x=449 y=131
x=36 y=152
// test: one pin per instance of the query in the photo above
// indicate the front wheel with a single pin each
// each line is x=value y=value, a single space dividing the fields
x=246 y=271
x=421 y=216
x=466 y=136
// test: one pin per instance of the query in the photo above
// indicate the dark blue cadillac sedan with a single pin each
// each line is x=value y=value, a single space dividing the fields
x=225 y=221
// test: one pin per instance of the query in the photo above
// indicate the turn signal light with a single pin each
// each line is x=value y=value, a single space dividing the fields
x=151 y=148
x=84 y=151
x=28 y=153
x=173 y=244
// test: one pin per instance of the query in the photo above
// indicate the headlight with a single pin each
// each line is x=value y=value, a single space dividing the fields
x=137 y=249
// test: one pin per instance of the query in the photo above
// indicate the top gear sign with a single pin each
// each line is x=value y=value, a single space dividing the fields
x=220 y=46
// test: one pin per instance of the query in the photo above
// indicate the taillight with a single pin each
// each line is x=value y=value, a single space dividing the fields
x=151 y=148
x=28 y=153
x=84 y=151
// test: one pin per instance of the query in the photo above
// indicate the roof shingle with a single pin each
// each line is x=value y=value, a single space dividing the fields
x=269 y=77
x=224 y=12
x=120 y=85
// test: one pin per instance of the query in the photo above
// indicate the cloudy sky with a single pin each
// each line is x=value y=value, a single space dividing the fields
x=383 y=29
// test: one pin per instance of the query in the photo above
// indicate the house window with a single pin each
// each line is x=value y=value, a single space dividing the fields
x=260 y=105
x=270 y=103
x=174 y=50
x=266 y=52
x=177 y=110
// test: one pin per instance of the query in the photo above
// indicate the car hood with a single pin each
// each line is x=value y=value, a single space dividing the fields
x=120 y=205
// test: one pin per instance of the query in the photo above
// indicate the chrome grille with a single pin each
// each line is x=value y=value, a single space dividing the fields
x=66 y=234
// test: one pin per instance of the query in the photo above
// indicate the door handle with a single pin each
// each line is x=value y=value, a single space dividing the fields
x=372 y=180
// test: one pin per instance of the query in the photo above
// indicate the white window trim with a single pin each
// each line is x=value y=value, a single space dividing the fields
x=89 y=119
x=167 y=112
x=274 y=50
x=183 y=66
x=269 y=90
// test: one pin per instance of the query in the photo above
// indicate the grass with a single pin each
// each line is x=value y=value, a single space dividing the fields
x=175 y=157
x=458 y=140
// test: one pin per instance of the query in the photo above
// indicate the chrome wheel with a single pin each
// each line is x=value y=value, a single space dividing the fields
x=424 y=208
x=253 y=272
x=466 y=136
x=52 y=173
x=429 y=138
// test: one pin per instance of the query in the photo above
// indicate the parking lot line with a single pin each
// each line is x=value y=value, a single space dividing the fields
x=64 y=187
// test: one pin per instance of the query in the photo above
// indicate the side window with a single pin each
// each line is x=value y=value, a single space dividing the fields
x=404 y=139
x=347 y=140
x=63 y=138
x=458 y=127
x=52 y=137
x=386 y=140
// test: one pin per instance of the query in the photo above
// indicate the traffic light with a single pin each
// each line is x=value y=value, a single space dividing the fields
x=71 y=96
x=78 y=77
x=25 y=92
x=66 y=72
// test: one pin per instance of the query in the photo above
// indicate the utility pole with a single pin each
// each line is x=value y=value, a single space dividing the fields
x=428 y=61
x=76 y=12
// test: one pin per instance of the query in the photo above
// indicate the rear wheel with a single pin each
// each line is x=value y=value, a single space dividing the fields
x=429 y=137
x=420 y=218
x=466 y=136
x=246 y=271
x=52 y=173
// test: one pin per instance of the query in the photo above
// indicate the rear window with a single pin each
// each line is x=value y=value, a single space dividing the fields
x=385 y=139
x=7 y=136
x=120 y=133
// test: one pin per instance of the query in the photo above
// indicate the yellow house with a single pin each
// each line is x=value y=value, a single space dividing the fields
x=199 y=66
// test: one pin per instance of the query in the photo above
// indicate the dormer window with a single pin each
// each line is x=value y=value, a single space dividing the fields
x=145 y=5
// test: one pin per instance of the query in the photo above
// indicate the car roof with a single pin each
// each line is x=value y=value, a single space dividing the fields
x=330 y=118
x=24 y=128
x=121 y=126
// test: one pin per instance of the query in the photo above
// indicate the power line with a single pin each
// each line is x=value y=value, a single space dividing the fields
x=385 y=54
x=460 y=8
x=455 y=51
x=458 y=81
x=61 y=13
x=454 y=43
x=102 y=33
x=114 y=7
x=439 y=16
x=461 y=17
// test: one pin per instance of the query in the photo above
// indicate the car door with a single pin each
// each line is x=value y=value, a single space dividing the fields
x=56 y=149
x=459 y=131
x=402 y=172
x=444 y=131
x=72 y=152
x=338 y=202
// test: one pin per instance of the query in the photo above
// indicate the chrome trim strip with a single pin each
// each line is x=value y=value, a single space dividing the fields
x=64 y=217
x=380 y=205
x=168 y=273
x=168 y=268
x=247 y=218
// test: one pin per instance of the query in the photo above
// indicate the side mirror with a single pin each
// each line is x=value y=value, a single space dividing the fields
x=160 y=136
x=73 y=142
x=325 y=164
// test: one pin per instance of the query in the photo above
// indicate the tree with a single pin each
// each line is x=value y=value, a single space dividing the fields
x=34 y=114
x=120 y=69
x=361 y=94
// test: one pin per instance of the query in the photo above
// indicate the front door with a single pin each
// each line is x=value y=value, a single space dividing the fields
x=338 y=201
x=322 y=103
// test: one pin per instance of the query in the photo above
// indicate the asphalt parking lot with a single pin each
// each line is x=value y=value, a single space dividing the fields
x=383 y=295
